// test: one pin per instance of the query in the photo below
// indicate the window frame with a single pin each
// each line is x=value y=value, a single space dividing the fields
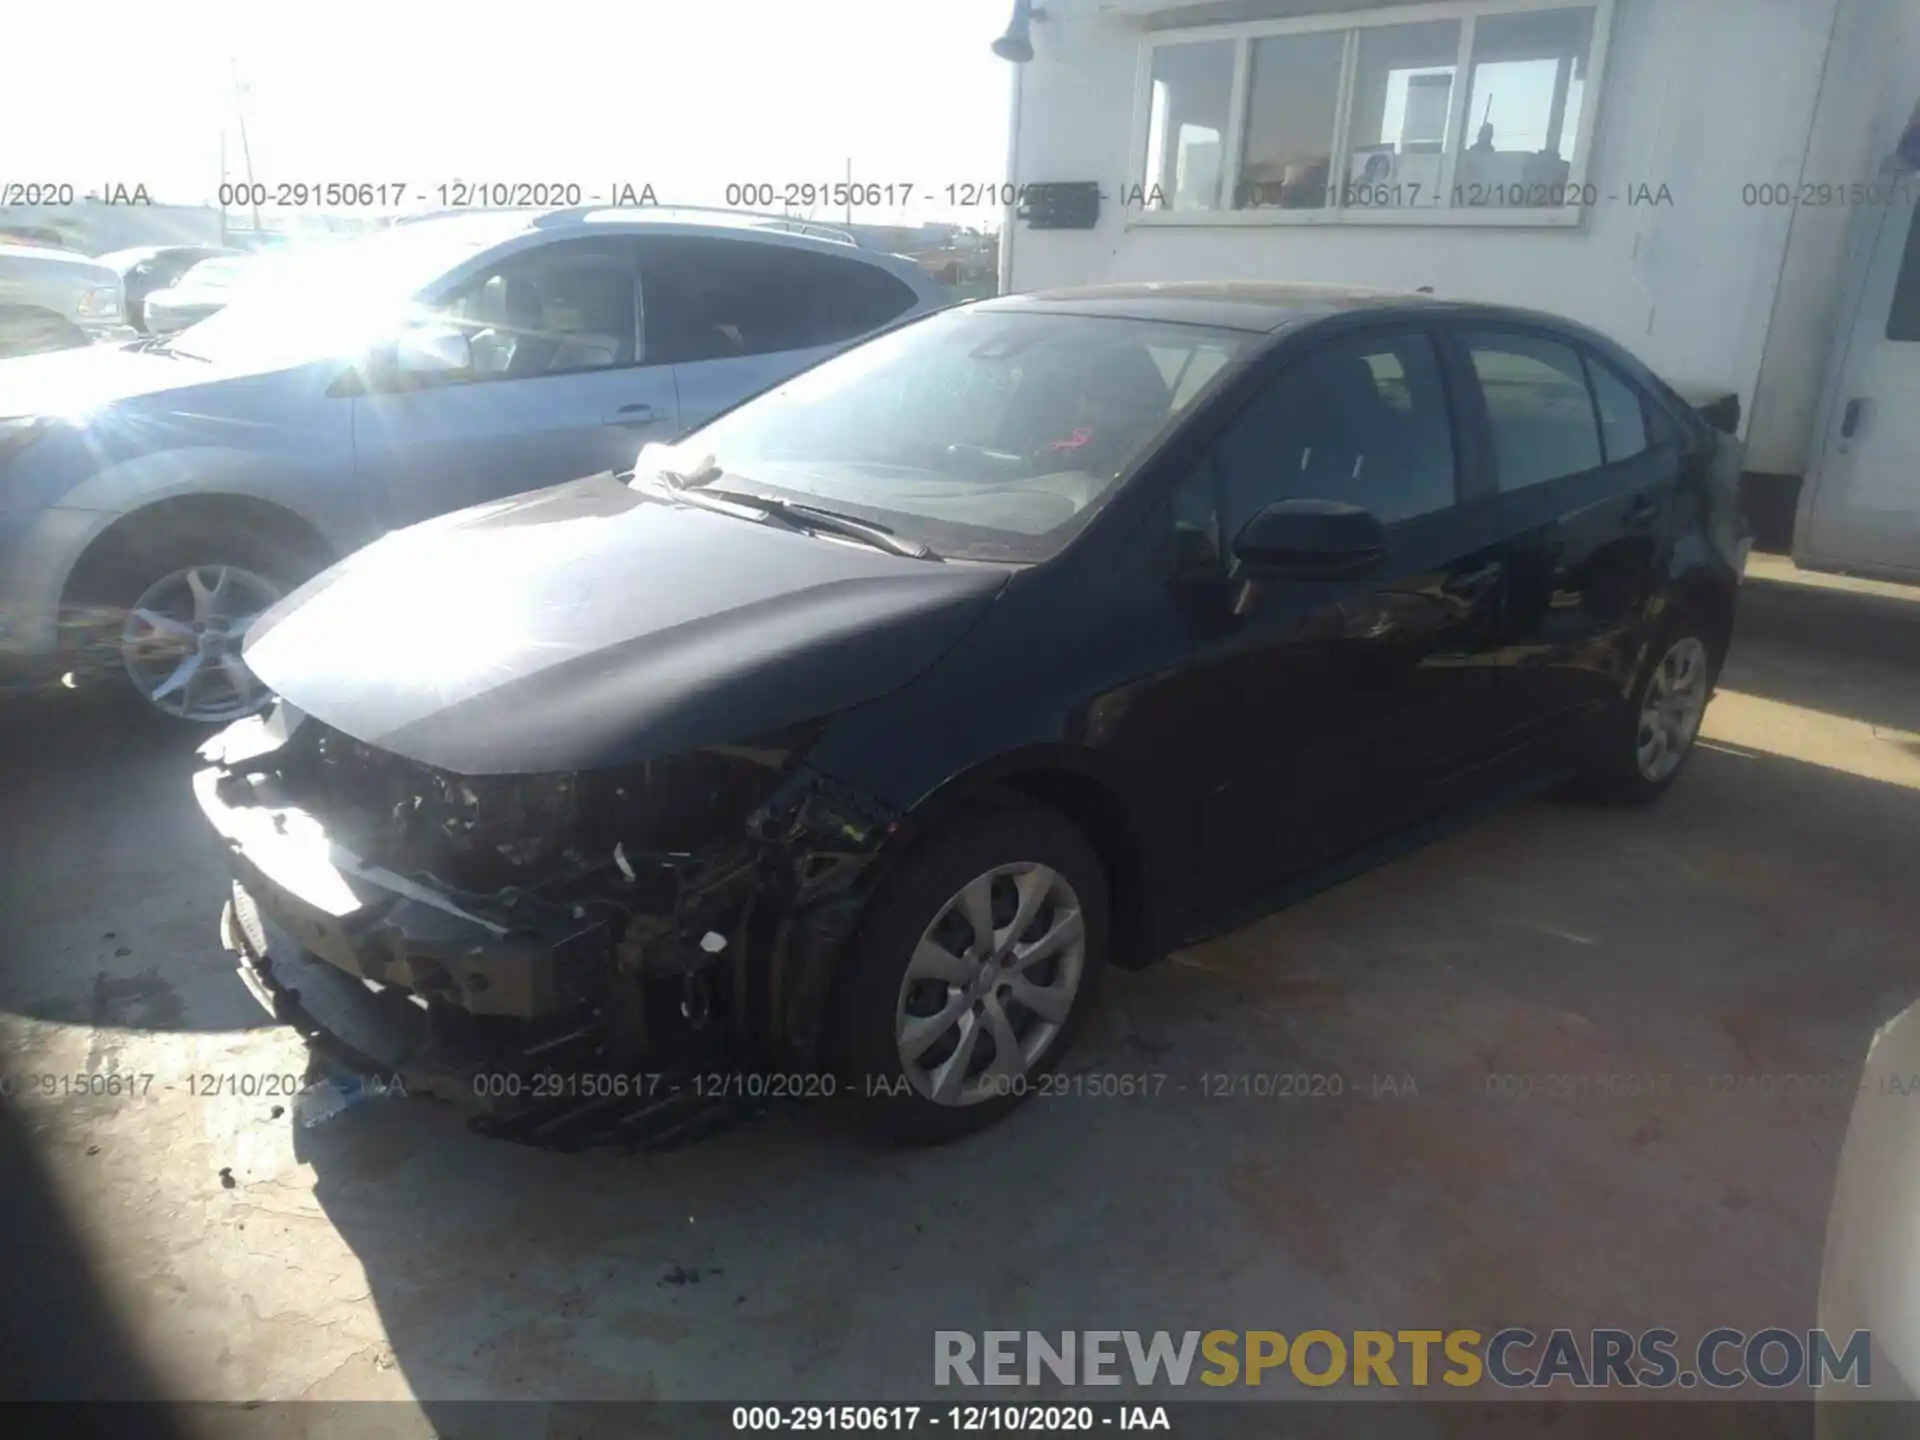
x=1243 y=34
x=1458 y=331
x=1592 y=363
x=482 y=268
x=654 y=247
x=1371 y=330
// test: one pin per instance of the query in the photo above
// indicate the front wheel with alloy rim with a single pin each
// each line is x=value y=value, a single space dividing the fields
x=180 y=642
x=1642 y=752
x=974 y=970
x=160 y=615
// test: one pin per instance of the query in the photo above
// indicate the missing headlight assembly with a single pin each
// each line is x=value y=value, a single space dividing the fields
x=484 y=938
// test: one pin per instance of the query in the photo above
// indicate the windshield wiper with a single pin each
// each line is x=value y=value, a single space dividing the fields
x=163 y=345
x=694 y=487
x=814 y=517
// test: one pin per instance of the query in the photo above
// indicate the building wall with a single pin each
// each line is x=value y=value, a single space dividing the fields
x=1702 y=96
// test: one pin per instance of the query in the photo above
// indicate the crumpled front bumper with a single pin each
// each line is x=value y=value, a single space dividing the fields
x=379 y=973
x=370 y=922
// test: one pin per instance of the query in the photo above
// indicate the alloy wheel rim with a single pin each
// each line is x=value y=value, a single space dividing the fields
x=1670 y=711
x=990 y=983
x=180 y=641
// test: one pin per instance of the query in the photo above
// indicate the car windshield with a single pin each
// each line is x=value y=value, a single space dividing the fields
x=330 y=300
x=987 y=434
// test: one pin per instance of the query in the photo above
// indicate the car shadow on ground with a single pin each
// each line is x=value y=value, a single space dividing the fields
x=1826 y=651
x=1572 y=1067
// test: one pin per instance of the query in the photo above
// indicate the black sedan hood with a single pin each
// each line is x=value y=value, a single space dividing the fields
x=591 y=625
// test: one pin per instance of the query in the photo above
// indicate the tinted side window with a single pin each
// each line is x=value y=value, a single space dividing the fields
x=715 y=299
x=1623 y=421
x=1537 y=403
x=1363 y=420
x=549 y=310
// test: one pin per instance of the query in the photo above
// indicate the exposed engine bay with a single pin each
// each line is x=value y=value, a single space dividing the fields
x=677 y=917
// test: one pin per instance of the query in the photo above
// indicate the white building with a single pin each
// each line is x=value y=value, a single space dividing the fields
x=1685 y=175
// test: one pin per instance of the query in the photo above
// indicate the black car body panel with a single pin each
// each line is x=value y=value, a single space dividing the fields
x=588 y=625
x=706 y=742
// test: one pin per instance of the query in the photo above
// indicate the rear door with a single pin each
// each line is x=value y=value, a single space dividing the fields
x=1585 y=484
x=736 y=315
x=560 y=386
x=1327 y=712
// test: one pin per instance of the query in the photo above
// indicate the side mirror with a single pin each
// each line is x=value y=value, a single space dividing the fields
x=1723 y=414
x=438 y=350
x=1310 y=540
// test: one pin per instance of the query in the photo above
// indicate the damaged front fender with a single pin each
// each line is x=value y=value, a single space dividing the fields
x=681 y=913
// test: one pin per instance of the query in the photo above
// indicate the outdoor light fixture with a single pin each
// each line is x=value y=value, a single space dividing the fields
x=1017 y=44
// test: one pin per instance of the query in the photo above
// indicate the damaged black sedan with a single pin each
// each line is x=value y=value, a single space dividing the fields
x=836 y=749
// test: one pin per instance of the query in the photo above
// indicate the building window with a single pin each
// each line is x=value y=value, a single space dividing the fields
x=1449 y=114
x=1187 y=133
x=1293 y=95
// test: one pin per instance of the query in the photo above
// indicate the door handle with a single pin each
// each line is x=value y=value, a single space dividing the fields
x=1850 y=417
x=639 y=413
x=1641 y=512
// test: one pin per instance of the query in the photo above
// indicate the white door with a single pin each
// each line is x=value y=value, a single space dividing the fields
x=1862 y=509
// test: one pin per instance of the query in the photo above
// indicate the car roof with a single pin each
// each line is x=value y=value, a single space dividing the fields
x=48 y=254
x=1259 y=306
x=134 y=254
x=652 y=218
x=680 y=220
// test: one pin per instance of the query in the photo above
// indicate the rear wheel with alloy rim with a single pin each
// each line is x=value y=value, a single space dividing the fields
x=1642 y=750
x=971 y=976
x=1671 y=704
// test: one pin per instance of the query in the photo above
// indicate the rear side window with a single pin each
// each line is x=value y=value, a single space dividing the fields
x=1538 y=406
x=550 y=310
x=1361 y=420
x=1623 y=421
x=718 y=299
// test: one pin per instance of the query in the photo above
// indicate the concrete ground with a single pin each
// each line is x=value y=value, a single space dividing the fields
x=1706 y=975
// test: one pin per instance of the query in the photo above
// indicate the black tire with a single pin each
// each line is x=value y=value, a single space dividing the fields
x=1615 y=774
x=875 y=1091
x=112 y=577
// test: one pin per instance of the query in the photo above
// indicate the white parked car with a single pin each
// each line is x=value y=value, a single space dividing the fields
x=57 y=300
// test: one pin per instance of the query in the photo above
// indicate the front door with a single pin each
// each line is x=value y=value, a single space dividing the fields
x=1327 y=712
x=558 y=387
x=1863 y=510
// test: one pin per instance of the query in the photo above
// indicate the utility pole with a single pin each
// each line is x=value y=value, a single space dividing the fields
x=221 y=193
x=246 y=153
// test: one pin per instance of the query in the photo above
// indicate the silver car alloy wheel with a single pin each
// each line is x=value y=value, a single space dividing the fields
x=181 y=641
x=991 y=982
x=1670 y=711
